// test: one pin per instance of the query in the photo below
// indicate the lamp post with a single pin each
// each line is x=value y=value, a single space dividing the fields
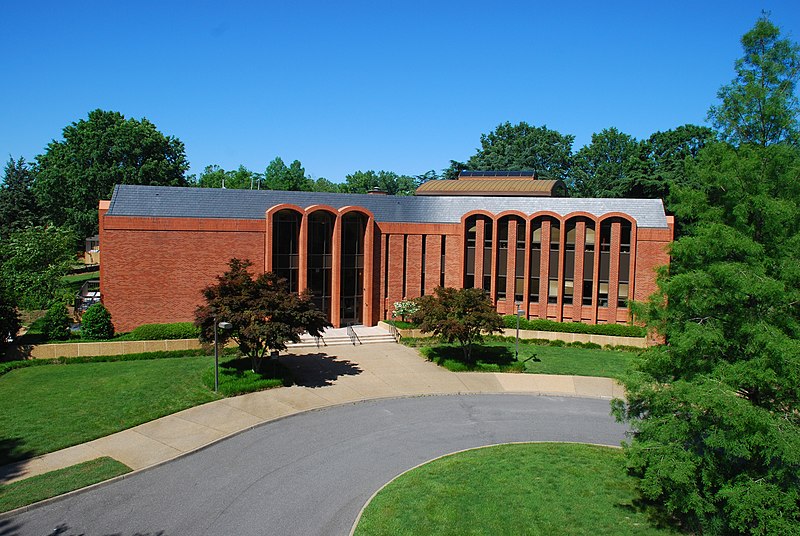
x=222 y=325
x=516 y=348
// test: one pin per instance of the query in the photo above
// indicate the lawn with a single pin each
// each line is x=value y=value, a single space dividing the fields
x=74 y=282
x=498 y=356
x=537 y=488
x=50 y=407
x=41 y=487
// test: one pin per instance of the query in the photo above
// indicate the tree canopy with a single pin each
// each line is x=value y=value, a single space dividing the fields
x=264 y=314
x=362 y=182
x=95 y=154
x=760 y=105
x=241 y=178
x=602 y=168
x=279 y=176
x=521 y=147
x=32 y=262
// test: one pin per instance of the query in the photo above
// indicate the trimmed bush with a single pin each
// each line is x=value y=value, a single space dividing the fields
x=541 y=324
x=157 y=332
x=55 y=324
x=96 y=323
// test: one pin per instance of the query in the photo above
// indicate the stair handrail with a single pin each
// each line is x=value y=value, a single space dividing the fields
x=395 y=333
x=353 y=335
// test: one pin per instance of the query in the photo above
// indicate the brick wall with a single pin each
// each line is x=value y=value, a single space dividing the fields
x=156 y=275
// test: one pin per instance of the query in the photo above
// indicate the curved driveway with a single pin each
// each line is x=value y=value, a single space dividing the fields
x=311 y=473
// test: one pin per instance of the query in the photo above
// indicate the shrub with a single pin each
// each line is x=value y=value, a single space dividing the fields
x=96 y=323
x=55 y=324
x=405 y=308
x=157 y=332
x=541 y=324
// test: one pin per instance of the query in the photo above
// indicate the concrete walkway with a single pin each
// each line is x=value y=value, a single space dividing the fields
x=327 y=377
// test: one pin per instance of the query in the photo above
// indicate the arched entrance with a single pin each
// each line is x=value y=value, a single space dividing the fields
x=354 y=226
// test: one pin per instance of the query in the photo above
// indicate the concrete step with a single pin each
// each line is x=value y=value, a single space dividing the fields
x=339 y=340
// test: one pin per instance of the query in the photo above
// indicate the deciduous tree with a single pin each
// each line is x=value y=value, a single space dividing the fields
x=263 y=313
x=602 y=168
x=462 y=315
x=522 y=147
x=32 y=262
x=279 y=176
x=96 y=154
x=362 y=182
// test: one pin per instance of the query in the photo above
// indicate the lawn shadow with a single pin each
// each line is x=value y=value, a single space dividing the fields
x=486 y=358
x=318 y=369
x=13 y=457
x=656 y=516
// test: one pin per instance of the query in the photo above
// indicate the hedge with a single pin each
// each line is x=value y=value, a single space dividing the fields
x=541 y=324
x=8 y=366
x=159 y=332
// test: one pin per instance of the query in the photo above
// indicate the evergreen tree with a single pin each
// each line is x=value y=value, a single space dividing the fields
x=760 y=105
x=18 y=207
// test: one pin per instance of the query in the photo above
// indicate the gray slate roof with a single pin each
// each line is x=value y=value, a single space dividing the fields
x=170 y=202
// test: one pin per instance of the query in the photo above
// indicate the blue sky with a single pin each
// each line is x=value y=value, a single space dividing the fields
x=343 y=86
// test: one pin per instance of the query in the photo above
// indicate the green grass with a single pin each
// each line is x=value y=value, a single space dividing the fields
x=74 y=282
x=47 y=408
x=236 y=377
x=534 y=489
x=400 y=324
x=41 y=487
x=498 y=356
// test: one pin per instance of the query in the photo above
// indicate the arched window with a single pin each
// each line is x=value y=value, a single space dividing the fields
x=469 y=259
x=320 y=252
x=536 y=260
x=352 y=283
x=569 y=262
x=285 y=246
x=588 y=263
x=505 y=248
x=555 y=244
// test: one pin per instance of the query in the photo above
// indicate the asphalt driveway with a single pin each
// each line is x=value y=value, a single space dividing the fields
x=311 y=473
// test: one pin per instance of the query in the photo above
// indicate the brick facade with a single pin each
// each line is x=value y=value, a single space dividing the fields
x=154 y=268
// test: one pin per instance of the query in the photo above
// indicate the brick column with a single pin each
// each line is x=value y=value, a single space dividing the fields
x=302 y=255
x=544 y=269
x=368 y=291
x=511 y=267
x=336 y=273
x=433 y=262
x=577 y=277
x=454 y=261
x=479 y=237
x=613 y=273
x=526 y=286
x=493 y=263
x=396 y=255
x=562 y=241
x=268 y=242
x=413 y=266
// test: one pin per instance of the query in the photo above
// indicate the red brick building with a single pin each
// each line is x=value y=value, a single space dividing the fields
x=561 y=258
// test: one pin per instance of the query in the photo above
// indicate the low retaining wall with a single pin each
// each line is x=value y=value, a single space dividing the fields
x=86 y=349
x=602 y=340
